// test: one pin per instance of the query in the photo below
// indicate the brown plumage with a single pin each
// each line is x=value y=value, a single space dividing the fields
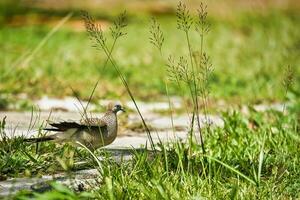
x=92 y=132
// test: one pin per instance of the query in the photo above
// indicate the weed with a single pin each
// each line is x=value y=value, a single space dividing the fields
x=195 y=74
x=287 y=82
x=96 y=34
x=156 y=35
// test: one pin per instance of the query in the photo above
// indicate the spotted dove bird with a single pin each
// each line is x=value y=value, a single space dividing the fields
x=91 y=132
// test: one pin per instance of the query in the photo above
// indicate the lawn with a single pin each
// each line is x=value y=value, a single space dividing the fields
x=249 y=54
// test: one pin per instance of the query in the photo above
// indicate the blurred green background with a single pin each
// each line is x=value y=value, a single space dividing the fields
x=250 y=45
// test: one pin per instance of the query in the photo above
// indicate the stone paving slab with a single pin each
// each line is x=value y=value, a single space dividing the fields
x=137 y=141
x=71 y=104
x=77 y=180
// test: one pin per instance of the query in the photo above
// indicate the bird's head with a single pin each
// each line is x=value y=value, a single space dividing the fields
x=115 y=107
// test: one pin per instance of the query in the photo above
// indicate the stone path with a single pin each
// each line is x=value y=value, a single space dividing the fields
x=23 y=123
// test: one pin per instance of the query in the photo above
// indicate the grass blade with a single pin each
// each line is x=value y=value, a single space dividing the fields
x=260 y=162
x=232 y=169
x=94 y=156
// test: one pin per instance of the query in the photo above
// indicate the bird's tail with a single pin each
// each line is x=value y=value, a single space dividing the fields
x=40 y=139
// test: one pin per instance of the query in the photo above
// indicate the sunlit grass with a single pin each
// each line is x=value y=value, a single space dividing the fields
x=249 y=54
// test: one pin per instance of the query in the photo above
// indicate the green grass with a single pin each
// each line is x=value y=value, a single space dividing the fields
x=252 y=156
x=248 y=52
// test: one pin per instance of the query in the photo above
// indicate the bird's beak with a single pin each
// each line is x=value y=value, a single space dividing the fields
x=123 y=110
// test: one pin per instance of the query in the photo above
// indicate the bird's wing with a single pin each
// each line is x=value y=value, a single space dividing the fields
x=63 y=126
x=93 y=122
x=84 y=123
